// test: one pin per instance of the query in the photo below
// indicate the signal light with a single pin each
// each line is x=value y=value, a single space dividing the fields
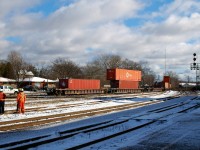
x=194 y=65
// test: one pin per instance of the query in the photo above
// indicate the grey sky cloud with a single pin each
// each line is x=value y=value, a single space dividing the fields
x=86 y=28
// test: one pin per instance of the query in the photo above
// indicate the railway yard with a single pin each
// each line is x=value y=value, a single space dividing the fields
x=151 y=120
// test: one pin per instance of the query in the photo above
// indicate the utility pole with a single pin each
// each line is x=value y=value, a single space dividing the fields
x=165 y=61
x=195 y=66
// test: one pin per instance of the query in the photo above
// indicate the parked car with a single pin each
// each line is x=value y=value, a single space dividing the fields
x=30 y=88
x=9 y=89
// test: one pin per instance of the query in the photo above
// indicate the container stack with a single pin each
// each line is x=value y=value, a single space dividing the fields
x=166 y=82
x=123 y=78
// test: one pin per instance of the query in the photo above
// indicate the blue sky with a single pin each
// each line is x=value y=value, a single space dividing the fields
x=46 y=7
x=140 y=30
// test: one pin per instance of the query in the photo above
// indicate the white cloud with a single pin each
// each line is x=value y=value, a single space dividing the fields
x=85 y=28
x=8 y=8
x=86 y=13
x=182 y=7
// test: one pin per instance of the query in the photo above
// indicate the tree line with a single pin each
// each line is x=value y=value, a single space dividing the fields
x=66 y=68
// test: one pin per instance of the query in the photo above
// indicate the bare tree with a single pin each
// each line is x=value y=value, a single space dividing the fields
x=45 y=72
x=148 y=76
x=91 y=71
x=108 y=61
x=65 y=68
x=174 y=79
x=98 y=67
x=6 y=70
x=129 y=64
x=32 y=68
x=18 y=64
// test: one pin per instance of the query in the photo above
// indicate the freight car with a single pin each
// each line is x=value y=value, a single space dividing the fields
x=121 y=81
x=76 y=86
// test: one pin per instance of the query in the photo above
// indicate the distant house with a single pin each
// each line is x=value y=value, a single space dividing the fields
x=37 y=81
x=186 y=84
x=7 y=81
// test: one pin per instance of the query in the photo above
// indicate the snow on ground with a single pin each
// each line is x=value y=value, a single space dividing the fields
x=166 y=94
x=108 y=101
x=178 y=132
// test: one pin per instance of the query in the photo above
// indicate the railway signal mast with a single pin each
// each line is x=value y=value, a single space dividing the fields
x=195 y=66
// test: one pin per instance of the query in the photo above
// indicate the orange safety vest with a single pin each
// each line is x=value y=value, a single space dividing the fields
x=21 y=97
x=2 y=96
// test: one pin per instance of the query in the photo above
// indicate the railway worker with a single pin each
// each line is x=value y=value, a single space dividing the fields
x=2 y=101
x=21 y=99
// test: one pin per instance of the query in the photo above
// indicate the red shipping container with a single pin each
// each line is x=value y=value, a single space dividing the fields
x=124 y=74
x=123 y=84
x=166 y=79
x=79 y=84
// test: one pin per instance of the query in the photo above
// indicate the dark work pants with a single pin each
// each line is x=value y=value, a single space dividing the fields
x=2 y=107
x=17 y=107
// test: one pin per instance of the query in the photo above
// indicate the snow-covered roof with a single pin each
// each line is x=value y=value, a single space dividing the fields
x=2 y=79
x=29 y=73
x=187 y=84
x=37 y=79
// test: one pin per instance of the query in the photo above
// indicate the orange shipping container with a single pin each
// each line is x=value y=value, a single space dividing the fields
x=123 y=84
x=79 y=84
x=124 y=74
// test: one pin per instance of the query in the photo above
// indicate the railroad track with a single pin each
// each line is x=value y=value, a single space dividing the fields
x=42 y=96
x=111 y=129
x=58 y=106
x=44 y=120
x=35 y=103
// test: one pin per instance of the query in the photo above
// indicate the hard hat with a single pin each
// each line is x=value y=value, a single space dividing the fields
x=21 y=90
